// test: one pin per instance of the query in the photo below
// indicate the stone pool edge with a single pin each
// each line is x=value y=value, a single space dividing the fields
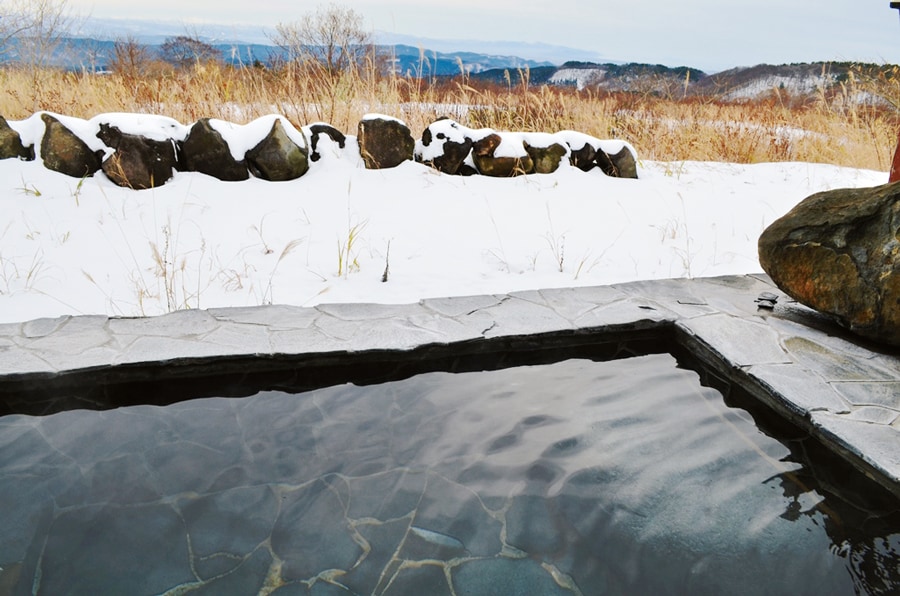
x=840 y=389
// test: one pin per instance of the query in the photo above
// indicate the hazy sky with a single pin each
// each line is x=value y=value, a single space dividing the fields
x=707 y=34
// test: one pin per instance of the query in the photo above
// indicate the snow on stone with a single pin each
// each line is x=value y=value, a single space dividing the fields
x=376 y=116
x=244 y=137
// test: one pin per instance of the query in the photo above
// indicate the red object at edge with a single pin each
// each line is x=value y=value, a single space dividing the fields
x=895 y=164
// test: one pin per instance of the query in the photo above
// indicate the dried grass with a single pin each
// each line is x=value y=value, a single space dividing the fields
x=835 y=127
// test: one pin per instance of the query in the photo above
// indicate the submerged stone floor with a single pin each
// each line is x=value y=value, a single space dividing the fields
x=837 y=387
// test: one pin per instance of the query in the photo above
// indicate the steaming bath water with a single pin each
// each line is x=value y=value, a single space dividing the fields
x=580 y=477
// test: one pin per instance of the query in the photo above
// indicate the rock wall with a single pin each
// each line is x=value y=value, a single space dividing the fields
x=142 y=151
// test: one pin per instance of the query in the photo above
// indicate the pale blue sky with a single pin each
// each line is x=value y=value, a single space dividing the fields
x=707 y=34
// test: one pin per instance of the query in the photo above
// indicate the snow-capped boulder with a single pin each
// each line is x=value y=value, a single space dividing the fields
x=545 y=150
x=11 y=143
x=583 y=157
x=501 y=156
x=384 y=142
x=206 y=151
x=445 y=145
x=623 y=162
x=137 y=162
x=321 y=134
x=65 y=152
x=278 y=157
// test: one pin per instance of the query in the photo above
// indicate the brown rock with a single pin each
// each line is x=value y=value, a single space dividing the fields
x=839 y=253
x=583 y=158
x=277 y=157
x=623 y=163
x=11 y=143
x=138 y=162
x=319 y=130
x=489 y=165
x=603 y=161
x=545 y=159
x=62 y=151
x=207 y=152
x=384 y=142
x=448 y=144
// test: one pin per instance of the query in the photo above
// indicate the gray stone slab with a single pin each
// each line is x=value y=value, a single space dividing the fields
x=572 y=304
x=800 y=389
x=832 y=364
x=675 y=295
x=159 y=348
x=72 y=337
x=16 y=361
x=632 y=312
x=272 y=317
x=42 y=327
x=307 y=341
x=96 y=357
x=736 y=296
x=181 y=323
x=449 y=330
x=874 y=415
x=236 y=338
x=461 y=305
x=875 y=444
x=367 y=312
x=10 y=330
x=884 y=394
x=516 y=316
x=741 y=342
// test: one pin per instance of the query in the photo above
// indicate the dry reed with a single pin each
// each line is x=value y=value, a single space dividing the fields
x=834 y=127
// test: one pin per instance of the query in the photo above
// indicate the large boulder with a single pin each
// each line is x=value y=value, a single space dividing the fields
x=621 y=164
x=583 y=157
x=511 y=160
x=277 y=157
x=64 y=152
x=206 y=151
x=320 y=131
x=545 y=152
x=11 y=143
x=384 y=142
x=839 y=252
x=138 y=162
x=445 y=146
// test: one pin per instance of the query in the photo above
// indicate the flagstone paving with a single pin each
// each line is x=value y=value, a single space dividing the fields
x=842 y=390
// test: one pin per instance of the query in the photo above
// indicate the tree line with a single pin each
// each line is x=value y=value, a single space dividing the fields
x=331 y=39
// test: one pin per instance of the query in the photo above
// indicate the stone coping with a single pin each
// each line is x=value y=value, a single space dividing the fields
x=840 y=389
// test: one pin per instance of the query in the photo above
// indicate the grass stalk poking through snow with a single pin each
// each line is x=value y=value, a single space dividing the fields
x=557 y=244
x=348 y=250
x=268 y=295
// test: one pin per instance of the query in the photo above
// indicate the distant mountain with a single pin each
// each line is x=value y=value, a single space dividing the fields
x=797 y=81
x=737 y=84
x=607 y=77
x=409 y=60
x=532 y=52
x=751 y=82
x=96 y=54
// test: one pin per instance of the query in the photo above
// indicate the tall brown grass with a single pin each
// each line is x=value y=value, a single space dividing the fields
x=833 y=127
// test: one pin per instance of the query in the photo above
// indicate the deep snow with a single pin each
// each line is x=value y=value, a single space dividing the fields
x=89 y=247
